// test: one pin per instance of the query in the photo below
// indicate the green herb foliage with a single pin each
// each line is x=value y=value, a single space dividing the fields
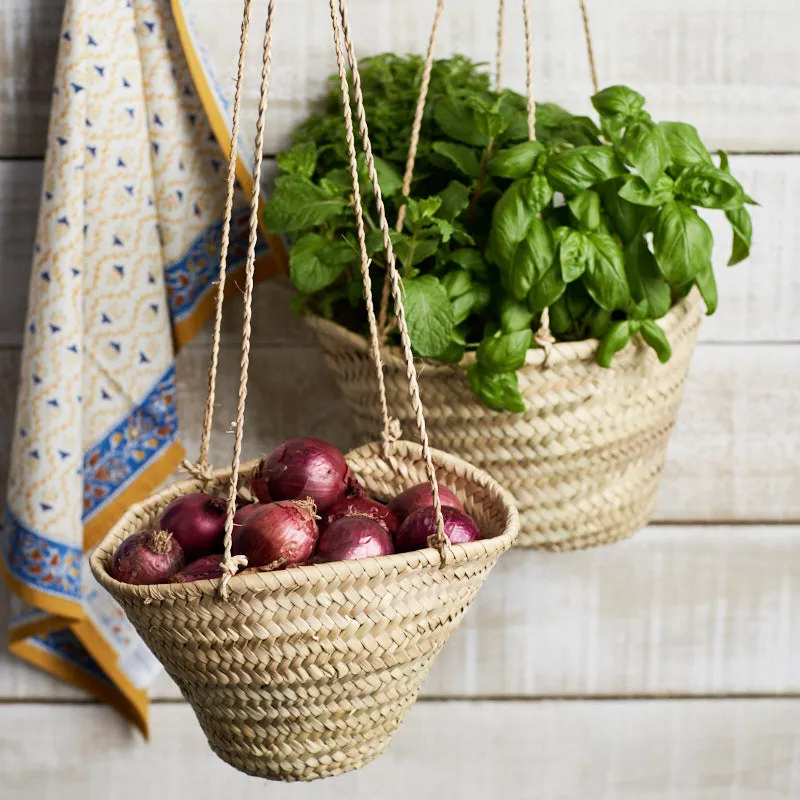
x=596 y=222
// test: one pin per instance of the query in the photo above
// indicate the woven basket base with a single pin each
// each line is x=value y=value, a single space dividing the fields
x=584 y=460
x=307 y=672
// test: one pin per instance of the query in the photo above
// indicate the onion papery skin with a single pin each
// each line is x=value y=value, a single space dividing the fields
x=417 y=527
x=421 y=496
x=362 y=506
x=203 y=569
x=349 y=538
x=304 y=468
x=147 y=558
x=197 y=521
x=285 y=531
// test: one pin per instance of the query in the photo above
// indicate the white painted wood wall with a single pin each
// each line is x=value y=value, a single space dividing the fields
x=667 y=666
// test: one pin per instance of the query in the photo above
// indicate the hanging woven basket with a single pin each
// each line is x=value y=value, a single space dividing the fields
x=583 y=462
x=306 y=672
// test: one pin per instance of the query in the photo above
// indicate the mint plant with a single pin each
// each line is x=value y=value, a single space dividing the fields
x=598 y=223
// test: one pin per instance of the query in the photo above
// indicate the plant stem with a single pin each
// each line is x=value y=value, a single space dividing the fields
x=481 y=179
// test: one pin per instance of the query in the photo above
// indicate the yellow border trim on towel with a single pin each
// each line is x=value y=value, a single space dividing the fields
x=38 y=628
x=223 y=136
x=70 y=609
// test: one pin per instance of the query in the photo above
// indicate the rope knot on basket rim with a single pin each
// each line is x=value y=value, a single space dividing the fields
x=200 y=470
x=229 y=566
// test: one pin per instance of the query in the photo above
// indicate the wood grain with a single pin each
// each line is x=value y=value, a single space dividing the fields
x=728 y=66
x=758 y=299
x=630 y=750
x=674 y=611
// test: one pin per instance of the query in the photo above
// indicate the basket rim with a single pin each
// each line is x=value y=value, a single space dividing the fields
x=561 y=352
x=325 y=573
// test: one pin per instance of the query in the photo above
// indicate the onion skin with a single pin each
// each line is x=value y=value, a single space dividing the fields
x=239 y=519
x=197 y=521
x=362 y=506
x=205 y=568
x=415 y=530
x=283 y=531
x=421 y=496
x=304 y=468
x=146 y=558
x=349 y=538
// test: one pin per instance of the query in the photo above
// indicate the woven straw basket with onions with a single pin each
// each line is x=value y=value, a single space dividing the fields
x=584 y=460
x=306 y=672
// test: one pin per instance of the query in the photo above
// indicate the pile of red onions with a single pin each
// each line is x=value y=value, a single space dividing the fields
x=310 y=509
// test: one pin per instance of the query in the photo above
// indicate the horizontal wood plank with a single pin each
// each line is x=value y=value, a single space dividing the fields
x=682 y=749
x=758 y=298
x=674 y=611
x=725 y=65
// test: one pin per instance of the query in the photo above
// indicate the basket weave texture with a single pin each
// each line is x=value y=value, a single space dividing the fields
x=584 y=460
x=307 y=672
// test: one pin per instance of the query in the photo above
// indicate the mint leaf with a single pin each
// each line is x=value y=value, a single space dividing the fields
x=498 y=392
x=517 y=161
x=470 y=260
x=455 y=199
x=647 y=284
x=389 y=178
x=296 y=204
x=315 y=262
x=300 y=159
x=504 y=352
x=457 y=121
x=684 y=144
x=682 y=242
x=463 y=157
x=583 y=167
x=585 y=207
x=742 y=226
x=636 y=191
x=429 y=315
x=618 y=100
x=575 y=253
x=645 y=149
x=605 y=278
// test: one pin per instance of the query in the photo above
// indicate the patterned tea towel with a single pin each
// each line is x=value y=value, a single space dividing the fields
x=126 y=253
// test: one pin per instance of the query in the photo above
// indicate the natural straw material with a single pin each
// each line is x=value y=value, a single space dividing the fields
x=307 y=672
x=583 y=461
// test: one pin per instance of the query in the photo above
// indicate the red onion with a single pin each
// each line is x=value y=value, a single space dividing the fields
x=239 y=519
x=414 y=532
x=353 y=537
x=283 y=531
x=197 y=521
x=205 y=568
x=147 y=557
x=362 y=506
x=421 y=496
x=304 y=468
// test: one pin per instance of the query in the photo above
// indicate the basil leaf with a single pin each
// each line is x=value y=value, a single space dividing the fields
x=300 y=159
x=504 y=352
x=498 y=392
x=456 y=283
x=647 y=284
x=575 y=253
x=684 y=145
x=533 y=257
x=549 y=287
x=514 y=316
x=617 y=336
x=316 y=262
x=636 y=191
x=452 y=354
x=470 y=260
x=517 y=161
x=709 y=187
x=429 y=315
x=615 y=100
x=605 y=273
x=582 y=167
x=457 y=121
x=725 y=167
x=742 y=226
x=455 y=199
x=654 y=335
x=645 y=149
x=511 y=219
x=464 y=158
x=707 y=285
x=600 y=323
x=625 y=217
x=538 y=192
x=682 y=242
x=296 y=203
x=585 y=207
